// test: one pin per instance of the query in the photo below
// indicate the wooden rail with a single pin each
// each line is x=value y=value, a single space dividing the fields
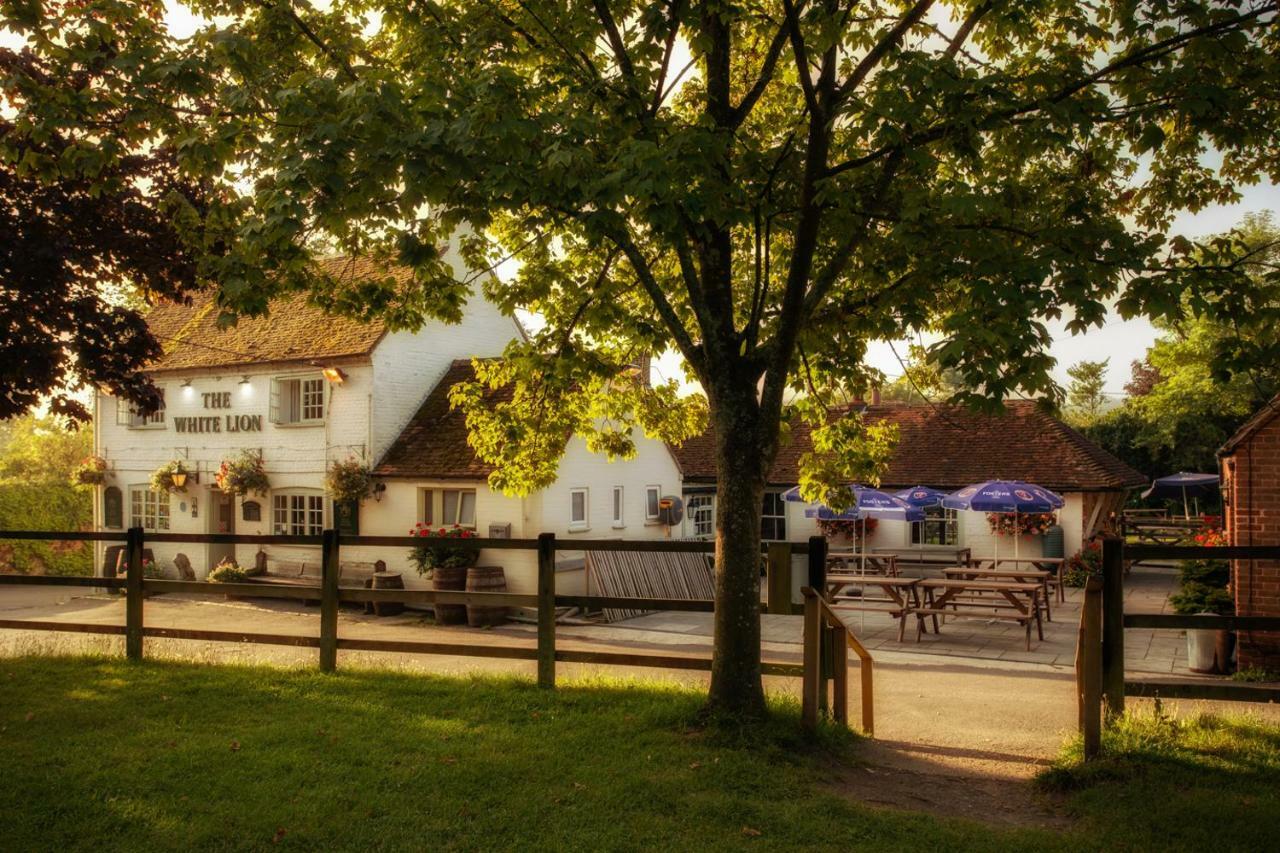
x=1100 y=673
x=330 y=595
x=826 y=635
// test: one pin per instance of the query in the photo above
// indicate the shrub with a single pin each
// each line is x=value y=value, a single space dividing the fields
x=53 y=506
x=227 y=572
x=1084 y=564
x=426 y=557
x=243 y=475
x=349 y=480
x=1203 y=587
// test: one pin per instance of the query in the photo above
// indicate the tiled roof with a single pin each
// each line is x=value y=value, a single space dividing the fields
x=434 y=444
x=294 y=330
x=951 y=448
x=1259 y=419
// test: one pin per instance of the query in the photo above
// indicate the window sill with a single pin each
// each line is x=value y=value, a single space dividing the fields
x=146 y=426
x=579 y=528
x=617 y=526
x=299 y=424
x=653 y=522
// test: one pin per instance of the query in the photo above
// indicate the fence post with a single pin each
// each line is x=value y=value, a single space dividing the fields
x=1089 y=667
x=1113 y=625
x=329 y=570
x=812 y=677
x=778 y=578
x=818 y=581
x=547 y=610
x=133 y=595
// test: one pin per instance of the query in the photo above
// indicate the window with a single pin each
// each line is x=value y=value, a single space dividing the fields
x=128 y=415
x=701 y=512
x=938 y=528
x=300 y=514
x=578 y=509
x=447 y=507
x=297 y=400
x=618 y=504
x=652 y=495
x=773 y=518
x=148 y=509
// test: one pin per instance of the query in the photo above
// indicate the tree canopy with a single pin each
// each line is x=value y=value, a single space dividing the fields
x=763 y=186
x=1085 y=396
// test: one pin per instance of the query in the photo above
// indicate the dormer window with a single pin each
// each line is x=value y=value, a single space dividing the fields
x=127 y=415
x=298 y=400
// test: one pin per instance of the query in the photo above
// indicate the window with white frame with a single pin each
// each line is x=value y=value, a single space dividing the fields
x=148 y=508
x=773 y=518
x=297 y=513
x=938 y=528
x=618 y=505
x=578 y=509
x=297 y=400
x=127 y=414
x=448 y=507
x=652 y=497
x=701 y=512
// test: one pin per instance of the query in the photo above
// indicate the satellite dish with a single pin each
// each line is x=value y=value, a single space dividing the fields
x=670 y=510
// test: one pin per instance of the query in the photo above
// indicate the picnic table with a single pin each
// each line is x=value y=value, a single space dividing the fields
x=1040 y=576
x=901 y=596
x=1054 y=565
x=849 y=560
x=973 y=598
x=932 y=555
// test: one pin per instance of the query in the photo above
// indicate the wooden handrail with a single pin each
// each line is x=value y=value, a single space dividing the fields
x=817 y=612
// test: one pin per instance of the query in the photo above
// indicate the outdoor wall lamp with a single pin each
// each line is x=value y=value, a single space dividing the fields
x=379 y=489
x=179 y=479
x=334 y=374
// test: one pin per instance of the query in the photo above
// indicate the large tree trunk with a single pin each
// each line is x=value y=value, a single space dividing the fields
x=741 y=468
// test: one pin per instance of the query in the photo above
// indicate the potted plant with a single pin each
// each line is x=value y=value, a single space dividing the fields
x=1204 y=587
x=170 y=477
x=1084 y=564
x=348 y=481
x=243 y=475
x=92 y=471
x=445 y=564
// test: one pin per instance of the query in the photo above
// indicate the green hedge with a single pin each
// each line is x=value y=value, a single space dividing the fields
x=46 y=507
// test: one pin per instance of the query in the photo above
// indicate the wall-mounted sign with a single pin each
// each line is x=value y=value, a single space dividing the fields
x=214 y=423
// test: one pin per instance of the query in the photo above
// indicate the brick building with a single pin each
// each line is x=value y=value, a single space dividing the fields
x=1250 y=463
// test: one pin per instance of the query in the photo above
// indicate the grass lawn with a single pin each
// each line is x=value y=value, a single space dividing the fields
x=99 y=754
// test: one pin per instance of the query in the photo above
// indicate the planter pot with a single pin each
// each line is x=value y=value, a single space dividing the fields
x=1224 y=646
x=453 y=579
x=1201 y=644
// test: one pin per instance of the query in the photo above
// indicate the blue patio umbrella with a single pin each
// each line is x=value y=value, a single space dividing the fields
x=867 y=503
x=1009 y=497
x=1185 y=485
x=921 y=496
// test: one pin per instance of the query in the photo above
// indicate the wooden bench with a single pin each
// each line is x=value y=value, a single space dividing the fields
x=856 y=562
x=930 y=556
x=1053 y=565
x=1042 y=577
x=947 y=598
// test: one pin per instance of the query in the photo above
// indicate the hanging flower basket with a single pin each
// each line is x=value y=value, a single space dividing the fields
x=853 y=530
x=1020 y=524
x=164 y=478
x=349 y=480
x=92 y=471
x=243 y=475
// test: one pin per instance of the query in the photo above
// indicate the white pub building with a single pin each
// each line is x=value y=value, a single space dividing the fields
x=304 y=389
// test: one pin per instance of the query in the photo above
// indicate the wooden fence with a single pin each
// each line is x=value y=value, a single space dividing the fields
x=829 y=663
x=1100 y=673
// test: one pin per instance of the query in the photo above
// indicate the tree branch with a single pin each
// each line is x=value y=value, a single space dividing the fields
x=748 y=101
x=619 y=46
x=801 y=53
x=890 y=40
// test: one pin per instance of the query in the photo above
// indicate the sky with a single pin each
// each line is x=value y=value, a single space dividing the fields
x=1119 y=341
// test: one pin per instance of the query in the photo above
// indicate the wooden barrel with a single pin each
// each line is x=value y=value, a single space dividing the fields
x=388 y=580
x=486 y=579
x=453 y=578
